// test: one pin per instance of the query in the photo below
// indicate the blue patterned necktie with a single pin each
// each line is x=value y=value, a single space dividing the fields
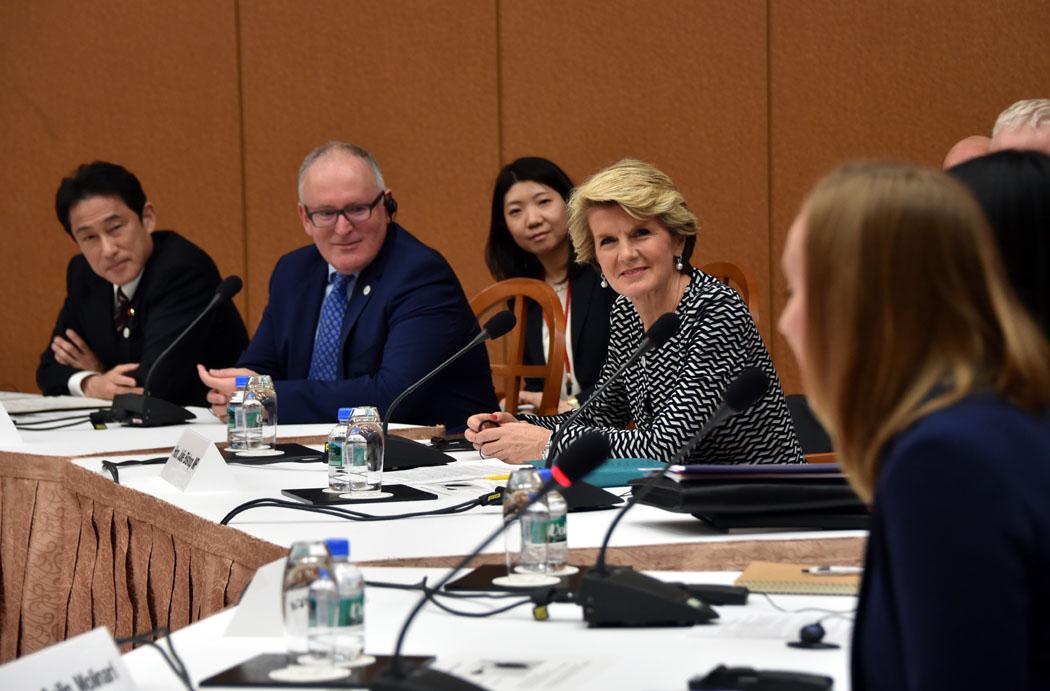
x=325 y=361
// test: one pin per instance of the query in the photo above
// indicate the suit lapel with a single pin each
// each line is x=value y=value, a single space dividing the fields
x=364 y=287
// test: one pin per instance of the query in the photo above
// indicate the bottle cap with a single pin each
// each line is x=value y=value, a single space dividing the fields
x=344 y=414
x=241 y=381
x=338 y=547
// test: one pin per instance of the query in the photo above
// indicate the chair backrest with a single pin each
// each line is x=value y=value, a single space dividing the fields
x=737 y=279
x=508 y=358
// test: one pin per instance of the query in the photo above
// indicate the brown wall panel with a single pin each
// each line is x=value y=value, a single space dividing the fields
x=681 y=84
x=152 y=86
x=888 y=80
x=413 y=82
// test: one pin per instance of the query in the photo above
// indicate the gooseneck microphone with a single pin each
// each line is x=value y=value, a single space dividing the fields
x=142 y=410
x=658 y=334
x=623 y=597
x=580 y=458
x=496 y=327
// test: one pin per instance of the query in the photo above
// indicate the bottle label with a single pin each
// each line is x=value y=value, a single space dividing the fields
x=231 y=417
x=557 y=529
x=335 y=455
x=352 y=610
x=359 y=455
x=252 y=419
x=537 y=531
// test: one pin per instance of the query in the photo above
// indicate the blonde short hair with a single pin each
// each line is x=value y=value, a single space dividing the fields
x=908 y=309
x=642 y=191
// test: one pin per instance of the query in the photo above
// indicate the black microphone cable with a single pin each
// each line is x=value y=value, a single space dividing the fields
x=487 y=499
x=48 y=425
x=173 y=661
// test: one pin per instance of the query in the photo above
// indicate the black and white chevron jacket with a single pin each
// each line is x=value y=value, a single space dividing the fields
x=673 y=390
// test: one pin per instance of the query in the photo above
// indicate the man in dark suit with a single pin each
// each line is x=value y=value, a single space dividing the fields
x=129 y=293
x=363 y=313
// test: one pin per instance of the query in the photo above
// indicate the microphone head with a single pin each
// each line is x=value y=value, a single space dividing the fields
x=663 y=328
x=230 y=286
x=582 y=456
x=745 y=390
x=500 y=324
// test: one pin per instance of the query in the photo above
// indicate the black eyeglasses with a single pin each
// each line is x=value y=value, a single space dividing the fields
x=324 y=219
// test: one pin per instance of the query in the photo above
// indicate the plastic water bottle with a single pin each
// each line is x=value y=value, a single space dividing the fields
x=307 y=574
x=249 y=421
x=363 y=452
x=338 y=480
x=348 y=629
x=262 y=386
x=234 y=439
x=557 y=532
x=526 y=538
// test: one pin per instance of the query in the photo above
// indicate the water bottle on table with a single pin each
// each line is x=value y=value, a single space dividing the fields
x=363 y=451
x=262 y=386
x=338 y=479
x=526 y=537
x=234 y=439
x=348 y=628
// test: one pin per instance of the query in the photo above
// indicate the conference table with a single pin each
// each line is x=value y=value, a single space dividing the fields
x=145 y=554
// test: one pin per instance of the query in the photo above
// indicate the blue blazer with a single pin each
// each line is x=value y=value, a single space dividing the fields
x=956 y=591
x=406 y=315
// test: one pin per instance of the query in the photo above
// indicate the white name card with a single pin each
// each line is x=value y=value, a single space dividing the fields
x=89 y=661
x=195 y=465
x=8 y=432
x=259 y=613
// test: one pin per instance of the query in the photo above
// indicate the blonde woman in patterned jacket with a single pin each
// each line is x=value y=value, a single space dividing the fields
x=632 y=222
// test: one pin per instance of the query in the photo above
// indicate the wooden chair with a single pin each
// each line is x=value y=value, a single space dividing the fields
x=507 y=356
x=737 y=279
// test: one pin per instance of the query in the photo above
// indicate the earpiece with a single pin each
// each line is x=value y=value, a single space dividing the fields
x=811 y=636
x=390 y=204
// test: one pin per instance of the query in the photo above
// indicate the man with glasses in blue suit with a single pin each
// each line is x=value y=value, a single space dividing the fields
x=364 y=312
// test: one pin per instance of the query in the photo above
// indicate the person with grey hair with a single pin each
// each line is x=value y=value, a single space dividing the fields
x=1024 y=125
x=364 y=312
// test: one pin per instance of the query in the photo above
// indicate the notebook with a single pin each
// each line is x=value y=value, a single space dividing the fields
x=790 y=579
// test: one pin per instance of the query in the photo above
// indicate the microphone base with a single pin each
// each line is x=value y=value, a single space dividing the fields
x=422 y=679
x=136 y=410
x=621 y=596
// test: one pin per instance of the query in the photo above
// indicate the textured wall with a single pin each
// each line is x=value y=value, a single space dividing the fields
x=152 y=86
x=213 y=103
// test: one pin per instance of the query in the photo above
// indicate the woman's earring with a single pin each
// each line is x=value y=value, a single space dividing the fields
x=678 y=265
x=605 y=284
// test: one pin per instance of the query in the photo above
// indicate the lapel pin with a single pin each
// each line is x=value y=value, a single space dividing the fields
x=127 y=332
x=367 y=290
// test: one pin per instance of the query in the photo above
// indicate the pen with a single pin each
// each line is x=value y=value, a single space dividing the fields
x=497 y=478
x=833 y=570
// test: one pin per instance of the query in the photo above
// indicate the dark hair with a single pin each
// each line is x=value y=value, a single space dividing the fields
x=1013 y=189
x=503 y=256
x=98 y=179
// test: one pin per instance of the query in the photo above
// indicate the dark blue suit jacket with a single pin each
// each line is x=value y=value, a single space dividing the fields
x=956 y=592
x=406 y=315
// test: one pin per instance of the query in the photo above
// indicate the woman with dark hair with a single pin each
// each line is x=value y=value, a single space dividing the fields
x=934 y=385
x=529 y=238
x=1013 y=188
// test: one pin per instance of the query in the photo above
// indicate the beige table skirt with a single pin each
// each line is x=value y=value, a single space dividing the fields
x=78 y=551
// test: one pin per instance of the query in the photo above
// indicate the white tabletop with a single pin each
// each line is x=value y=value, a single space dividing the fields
x=754 y=635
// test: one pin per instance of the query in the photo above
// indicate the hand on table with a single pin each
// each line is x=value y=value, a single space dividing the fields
x=222 y=383
x=72 y=351
x=114 y=382
x=506 y=439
